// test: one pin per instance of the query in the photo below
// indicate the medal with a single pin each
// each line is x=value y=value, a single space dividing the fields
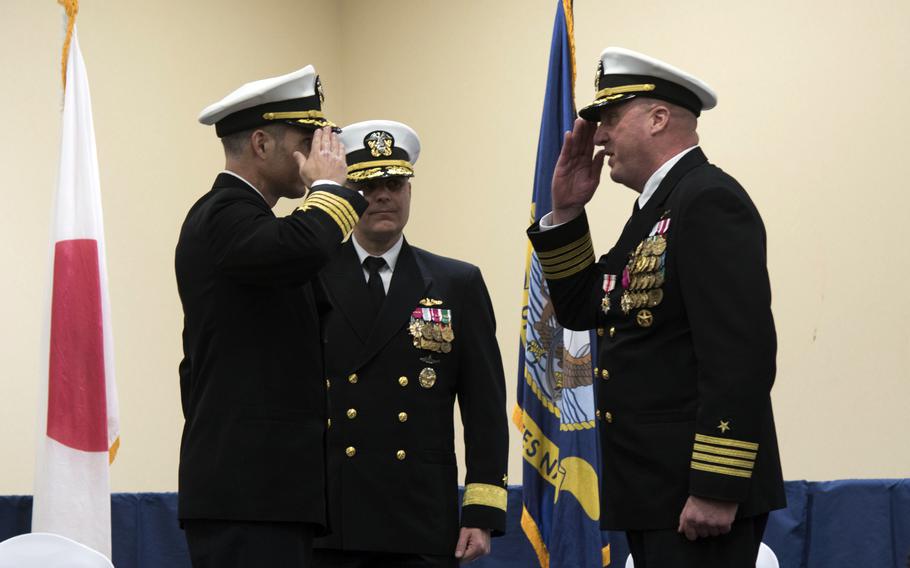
x=655 y=297
x=625 y=303
x=644 y=318
x=427 y=377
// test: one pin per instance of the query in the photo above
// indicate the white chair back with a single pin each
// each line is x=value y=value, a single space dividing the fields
x=46 y=550
x=766 y=558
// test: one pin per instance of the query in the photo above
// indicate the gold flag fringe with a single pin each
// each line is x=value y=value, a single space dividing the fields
x=72 y=8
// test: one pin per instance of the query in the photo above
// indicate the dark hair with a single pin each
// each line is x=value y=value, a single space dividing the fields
x=235 y=143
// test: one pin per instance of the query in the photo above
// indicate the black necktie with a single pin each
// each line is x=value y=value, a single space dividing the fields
x=377 y=292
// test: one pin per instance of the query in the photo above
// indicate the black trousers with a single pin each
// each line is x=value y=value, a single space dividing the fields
x=331 y=558
x=670 y=549
x=244 y=544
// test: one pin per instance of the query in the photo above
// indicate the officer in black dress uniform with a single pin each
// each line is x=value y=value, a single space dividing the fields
x=682 y=306
x=409 y=333
x=252 y=468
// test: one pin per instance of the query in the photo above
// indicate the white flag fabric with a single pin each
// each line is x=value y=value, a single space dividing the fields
x=78 y=417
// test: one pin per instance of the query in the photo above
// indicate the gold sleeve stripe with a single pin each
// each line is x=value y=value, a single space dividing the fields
x=340 y=202
x=334 y=206
x=486 y=495
x=721 y=470
x=723 y=461
x=344 y=223
x=343 y=203
x=548 y=254
x=725 y=452
x=568 y=261
x=345 y=227
x=569 y=272
x=725 y=442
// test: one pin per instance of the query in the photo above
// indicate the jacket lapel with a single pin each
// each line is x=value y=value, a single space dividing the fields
x=686 y=164
x=642 y=220
x=408 y=286
x=345 y=284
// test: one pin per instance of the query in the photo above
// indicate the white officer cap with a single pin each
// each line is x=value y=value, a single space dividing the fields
x=295 y=98
x=623 y=74
x=380 y=149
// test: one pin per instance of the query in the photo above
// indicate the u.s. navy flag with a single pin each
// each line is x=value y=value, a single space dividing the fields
x=79 y=424
x=555 y=412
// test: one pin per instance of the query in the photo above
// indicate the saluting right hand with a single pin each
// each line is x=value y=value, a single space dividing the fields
x=577 y=173
x=326 y=159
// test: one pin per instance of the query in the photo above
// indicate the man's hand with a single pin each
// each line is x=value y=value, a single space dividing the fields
x=701 y=518
x=577 y=173
x=472 y=544
x=326 y=159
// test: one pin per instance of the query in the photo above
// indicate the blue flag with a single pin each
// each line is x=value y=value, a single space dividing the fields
x=555 y=412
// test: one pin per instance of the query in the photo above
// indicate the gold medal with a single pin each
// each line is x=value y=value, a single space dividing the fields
x=644 y=318
x=659 y=279
x=659 y=245
x=655 y=297
x=448 y=334
x=445 y=347
x=625 y=303
x=436 y=332
x=605 y=304
x=427 y=377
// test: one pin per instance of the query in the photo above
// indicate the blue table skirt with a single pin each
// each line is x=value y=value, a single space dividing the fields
x=832 y=524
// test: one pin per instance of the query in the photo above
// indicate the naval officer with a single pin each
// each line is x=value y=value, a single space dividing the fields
x=682 y=305
x=410 y=333
x=251 y=479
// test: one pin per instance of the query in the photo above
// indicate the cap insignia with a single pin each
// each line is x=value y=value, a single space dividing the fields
x=598 y=74
x=380 y=143
x=319 y=89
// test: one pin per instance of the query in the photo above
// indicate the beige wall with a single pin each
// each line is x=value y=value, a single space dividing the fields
x=811 y=121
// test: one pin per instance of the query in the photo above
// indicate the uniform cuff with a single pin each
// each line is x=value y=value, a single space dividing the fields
x=343 y=205
x=565 y=250
x=484 y=507
x=721 y=468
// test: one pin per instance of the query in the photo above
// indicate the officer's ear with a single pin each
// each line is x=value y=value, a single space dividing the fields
x=658 y=118
x=262 y=142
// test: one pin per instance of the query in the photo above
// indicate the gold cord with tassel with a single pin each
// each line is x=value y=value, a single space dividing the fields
x=72 y=8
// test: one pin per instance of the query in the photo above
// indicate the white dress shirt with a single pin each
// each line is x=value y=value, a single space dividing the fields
x=650 y=187
x=390 y=256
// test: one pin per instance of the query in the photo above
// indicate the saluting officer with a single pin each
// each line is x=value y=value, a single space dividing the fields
x=252 y=470
x=682 y=305
x=409 y=332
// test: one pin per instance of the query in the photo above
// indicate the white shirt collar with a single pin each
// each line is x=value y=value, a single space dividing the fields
x=390 y=256
x=658 y=176
x=238 y=176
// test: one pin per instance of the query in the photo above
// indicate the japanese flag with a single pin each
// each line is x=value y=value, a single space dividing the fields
x=78 y=419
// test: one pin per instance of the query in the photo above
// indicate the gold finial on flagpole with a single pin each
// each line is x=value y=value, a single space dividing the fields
x=72 y=8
